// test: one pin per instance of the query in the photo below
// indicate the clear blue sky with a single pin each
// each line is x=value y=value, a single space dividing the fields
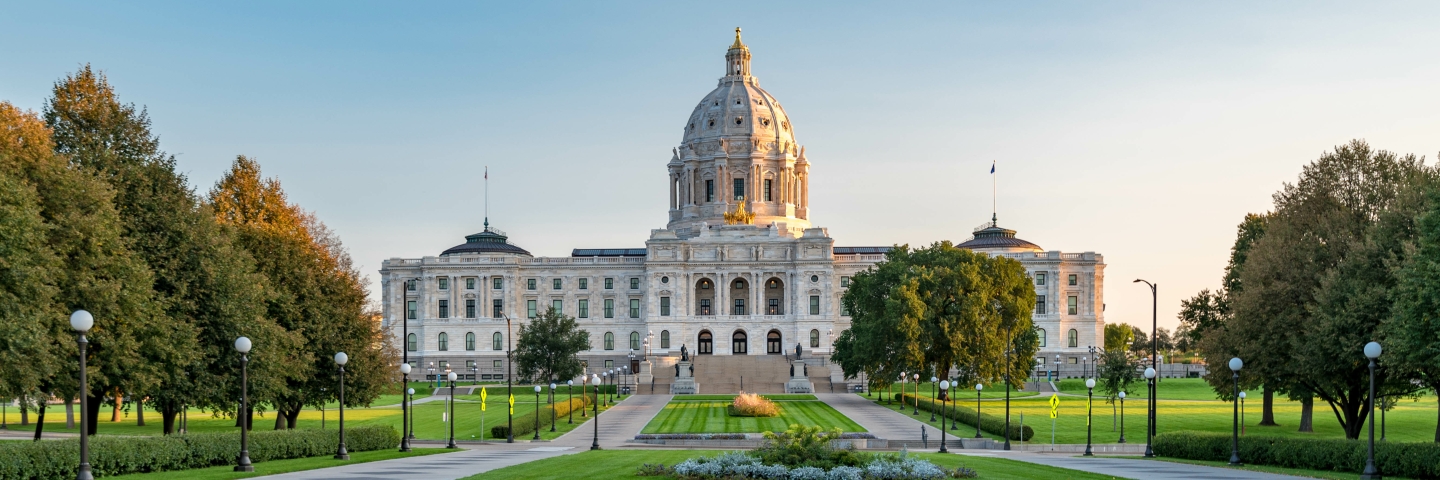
x=1140 y=130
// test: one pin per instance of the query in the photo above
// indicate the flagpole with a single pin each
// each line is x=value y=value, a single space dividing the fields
x=487 y=196
x=993 y=195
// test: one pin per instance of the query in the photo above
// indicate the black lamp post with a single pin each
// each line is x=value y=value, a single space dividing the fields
x=1235 y=365
x=1242 y=413
x=1152 y=406
x=916 y=377
x=552 y=407
x=451 y=378
x=537 y=413
x=955 y=384
x=1122 y=416
x=978 y=388
x=604 y=380
x=404 y=409
x=509 y=385
x=1150 y=412
x=1372 y=351
x=1008 y=348
x=410 y=392
x=932 y=395
x=1089 y=409
x=81 y=321
x=944 y=399
x=570 y=400
x=595 y=442
x=242 y=345
x=340 y=360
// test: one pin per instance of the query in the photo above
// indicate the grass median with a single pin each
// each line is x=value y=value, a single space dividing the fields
x=281 y=466
x=685 y=415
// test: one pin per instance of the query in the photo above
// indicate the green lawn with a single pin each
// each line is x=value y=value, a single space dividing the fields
x=727 y=398
x=930 y=390
x=1268 y=469
x=621 y=464
x=705 y=416
x=280 y=466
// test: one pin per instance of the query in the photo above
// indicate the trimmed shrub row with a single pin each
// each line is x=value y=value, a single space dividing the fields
x=525 y=424
x=1403 y=459
x=110 y=456
x=988 y=423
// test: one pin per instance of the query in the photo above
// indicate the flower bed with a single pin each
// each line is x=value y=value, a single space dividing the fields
x=805 y=453
x=690 y=436
x=752 y=405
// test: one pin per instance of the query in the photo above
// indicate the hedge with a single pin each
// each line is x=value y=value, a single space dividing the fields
x=525 y=424
x=111 y=456
x=1402 y=459
x=988 y=423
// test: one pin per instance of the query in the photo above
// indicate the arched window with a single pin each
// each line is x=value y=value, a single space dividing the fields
x=497 y=342
x=634 y=340
x=1074 y=338
x=814 y=339
x=410 y=343
x=469 y=341
x=444 y=341
x=1041 y=333
x=609 y=341
x=664 y=339
x=739 y=343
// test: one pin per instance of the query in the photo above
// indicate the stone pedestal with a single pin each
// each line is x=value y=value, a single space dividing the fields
x=799 y=382
x=644 y=377
x=684 y=380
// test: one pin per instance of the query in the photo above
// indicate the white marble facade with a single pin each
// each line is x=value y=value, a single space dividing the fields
x=775 y=282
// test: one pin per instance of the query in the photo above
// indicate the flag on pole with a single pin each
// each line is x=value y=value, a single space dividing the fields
x=992 y=167
x=483 y=396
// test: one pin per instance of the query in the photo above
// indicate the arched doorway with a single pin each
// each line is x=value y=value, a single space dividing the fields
x=707 y=343
x=774 y=297
x=739 y=343
x=740 y=292
x=704 y=297
x=772 y=343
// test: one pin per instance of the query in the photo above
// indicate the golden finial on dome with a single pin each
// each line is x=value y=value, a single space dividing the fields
x=737 y=44
x=739 y=216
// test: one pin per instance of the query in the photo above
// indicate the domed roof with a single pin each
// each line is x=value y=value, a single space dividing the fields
x=489 y=241
x=738 y=106
x=990 y=237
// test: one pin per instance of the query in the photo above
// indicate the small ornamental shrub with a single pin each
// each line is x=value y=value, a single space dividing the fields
x=989 y=423
x=525 y=424
x=752 y=405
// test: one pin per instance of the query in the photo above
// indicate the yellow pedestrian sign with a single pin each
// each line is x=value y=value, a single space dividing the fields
x=512 y=404
x=1054 y=405
x=483 y=396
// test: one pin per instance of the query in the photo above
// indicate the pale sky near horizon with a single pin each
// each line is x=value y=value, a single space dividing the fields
x=1140 y=130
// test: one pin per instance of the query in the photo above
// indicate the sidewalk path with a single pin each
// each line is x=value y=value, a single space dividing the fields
x=617 y=424
x=1131 y=468
x=885 y=422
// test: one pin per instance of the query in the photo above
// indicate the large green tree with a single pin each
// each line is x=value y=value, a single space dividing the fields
x=1410 y=335
x=547 y=347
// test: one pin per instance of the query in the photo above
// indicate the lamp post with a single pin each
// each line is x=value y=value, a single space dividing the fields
x=1122 y=416
x=1152 y=406
x=537 y=413
x=1372 y=351
x=81 y=321
x=916 y=377
x=584 y=394
x=242 y=345
x=1057 y=367
x=451 y=378
x=625 y=372
x=595 y=441
x=1235 y=365
x=509 y=384
x=978 y=388
x=902 y=391
x=604 y=377
x=430 y=372
x=1242 y=413
x=1089 y=410
x=944 y=399
x=410 y=392
x=570 y=400
x=404 y=410
x=1150 y=412
x=1008 y=348
x=932 y=395
x=552 y=407
x=340 y=360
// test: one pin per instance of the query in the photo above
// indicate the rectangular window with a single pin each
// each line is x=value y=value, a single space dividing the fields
x=469 y=284
x=470 y=363
x=814 y=304
x=609 y=308
x=774 y=307
x=844 y=282
x=609 y=283
x=444 y=309
x=844 y=310
x=410 y=310
x=499 y=310
x=1040 y=278
x=497 y=364
x=555 y=284
x=495 y=283
x=704 y=306
x=1072 y=304
x=767 y=190
x=1042 y=336
x=664 y=306
x=634 y=284
x=609 y=364
x=739 y=189
x=709 y=190
x=1039 y=304
x=584 y=284
x=1074 y=360
x=558 y=305
x=584 y=308
x=410 y=285
x=1074 y=280
x=443 y=365
x=739 y=308
x=529 y=284
x=634 y=308
x=443 y=283
x=530 y=308
x=470 y=308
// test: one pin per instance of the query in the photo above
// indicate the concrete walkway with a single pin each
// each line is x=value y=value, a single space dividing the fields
x=883 y=422
x=1131 y=468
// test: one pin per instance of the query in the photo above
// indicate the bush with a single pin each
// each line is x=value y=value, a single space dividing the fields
x=988 y=423
x=526 y=424
x=737 y=466
x=1414 y=460
x=801 y=446
x=752 y=405
x=122 y=455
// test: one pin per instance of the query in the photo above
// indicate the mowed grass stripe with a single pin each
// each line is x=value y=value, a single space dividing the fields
x=690 y=416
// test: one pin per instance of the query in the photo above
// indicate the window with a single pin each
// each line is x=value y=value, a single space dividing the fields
x=634 y=308
x=444 y=341
x=558 y=305
x=1074 y=339
x=444 y=309
x=609 y=364
x=634 y=284
x=530 y=309
x=497 y=341
x=814 y=304
x=443 y=283
x=410 y=310
x=469 y=341
x=410 y=285
x=1040 y=278
x=470 y=308
x=609 y=308
x=1040 y=332
x=704 y=306
x=497 y=364
x=609 y=283
x=469 y=364
x=844 y=309
x=767 y=190
x=664 y=339
x=444 y=365
x=609 y=341
x=1072 y=304
x=844 y=282
x=496 y=283
x=664 y=306
x=1073 y=279
x=1039 y=304
x=814 y=339
x=773 y=308
x=529 y=284
x=410 y=343
x=704 y=284
x=584 y=308
x=709 y=190
x=1074 y=360
x=739 y=308
x=739 y=189
x=634 y=340
x=584 y=284
x=555 y=284
x=469 y=284
x=499 y=308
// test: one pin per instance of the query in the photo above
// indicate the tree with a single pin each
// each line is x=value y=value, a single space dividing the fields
x=1140 y=341
x=1118 y=337
x=1408 y=336
x=28 y=272
x=548 y=345
x=1117 y=373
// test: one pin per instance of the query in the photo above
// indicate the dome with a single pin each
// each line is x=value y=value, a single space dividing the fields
x=489 y=241
x=991 y=238
x=738 y=106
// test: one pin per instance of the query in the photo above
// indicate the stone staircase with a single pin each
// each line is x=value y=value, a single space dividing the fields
x=729 y=374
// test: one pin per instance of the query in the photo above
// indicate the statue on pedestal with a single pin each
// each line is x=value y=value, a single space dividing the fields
x=797 y=351
x=684 y=354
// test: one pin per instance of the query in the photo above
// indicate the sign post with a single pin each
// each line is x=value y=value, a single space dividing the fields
x=483 y=395
x=1054 y=412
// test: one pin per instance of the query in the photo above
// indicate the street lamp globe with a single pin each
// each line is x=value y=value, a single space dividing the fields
x=537 y=389
x=1372 y=349
x=1149 y=373
x=1122 y=395
x=341 y=359
x=81 y=321
x=1236 y=363
x=409 y=391
x=594 y=378
x=933 y=379
x=1242 y=395
x=944 y=385
x=242 y=345
x=405 y=368
x=1089 y=383
x=451 y=376
x=979 y=387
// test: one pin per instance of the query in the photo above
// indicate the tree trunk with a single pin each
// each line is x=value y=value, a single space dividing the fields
x=40 y=420
x=91 y=419
x=279 y=420
x=1267 y=408
x=292 y=416
x=24 y=411
x=1437 y=426
x=69 y=413
x=168 y=412
x=1307 y=415
x=139 y=411
x=119 y=399
x=249 y=417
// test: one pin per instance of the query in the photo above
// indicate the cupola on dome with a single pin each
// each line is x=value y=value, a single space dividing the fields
x=492 y=240
x=738 y=106
x=989 y=237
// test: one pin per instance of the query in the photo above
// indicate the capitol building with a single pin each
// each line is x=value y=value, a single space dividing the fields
x=738 y=270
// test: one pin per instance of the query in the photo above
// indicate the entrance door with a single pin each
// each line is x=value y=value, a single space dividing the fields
x=738 y=343
x=707 y=344
x=772 y=343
